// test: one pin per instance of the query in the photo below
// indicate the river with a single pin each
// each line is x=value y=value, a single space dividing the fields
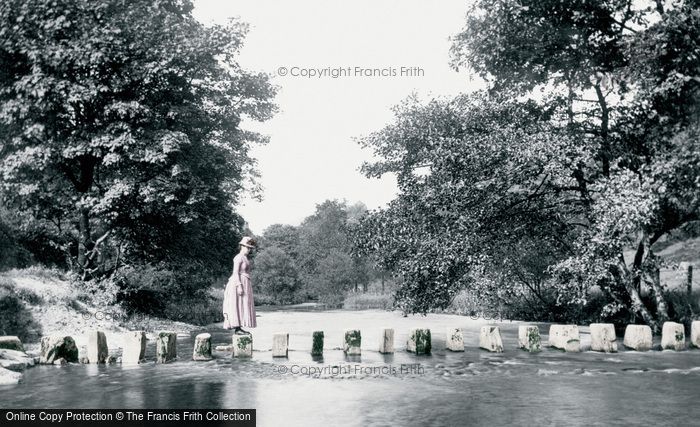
x=443 y=389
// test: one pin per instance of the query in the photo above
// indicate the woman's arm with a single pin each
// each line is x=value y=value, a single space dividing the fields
x=237 y=261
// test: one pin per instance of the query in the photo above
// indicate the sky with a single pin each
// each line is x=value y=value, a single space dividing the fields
x=313 y=154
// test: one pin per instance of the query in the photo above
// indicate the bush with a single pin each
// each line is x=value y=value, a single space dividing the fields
x=15 y=319
x=364 y=301
x=12 y=254
x=332 y=300
x=46 y=274
x=263 y=299
x=683 y=308
x=180 y=295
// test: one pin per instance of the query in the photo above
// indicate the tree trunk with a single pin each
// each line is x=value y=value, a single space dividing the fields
x=622 y=274
x=84 y=238
x=661 y=307
x=604 y=130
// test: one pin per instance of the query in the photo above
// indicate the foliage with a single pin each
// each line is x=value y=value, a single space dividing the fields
x=120 y=123
x=277 y=275
x=586 y=144
x=314 y=259
x=364 y=301
x=492 y=170
x=15 y=318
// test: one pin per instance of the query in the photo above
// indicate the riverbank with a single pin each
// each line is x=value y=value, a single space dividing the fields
x=56 y=306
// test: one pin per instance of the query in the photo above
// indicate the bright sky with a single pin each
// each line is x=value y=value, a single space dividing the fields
x=312 y=155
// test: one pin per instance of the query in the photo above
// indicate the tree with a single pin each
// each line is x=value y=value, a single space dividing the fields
x=282 y=236
x=334 y=276
x=327 y=232
x=120 y=122
x=605 y=160
x=277 y=275
x=478 y=176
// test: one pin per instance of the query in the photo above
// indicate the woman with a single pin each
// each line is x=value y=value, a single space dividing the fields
x=239 y=309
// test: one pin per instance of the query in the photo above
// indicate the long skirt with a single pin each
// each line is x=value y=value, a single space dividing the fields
x=239 y=310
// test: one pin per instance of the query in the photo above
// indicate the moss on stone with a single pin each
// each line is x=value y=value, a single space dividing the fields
x=317 y=345
x=353 y=338
x=423 y=341
x=244 y=341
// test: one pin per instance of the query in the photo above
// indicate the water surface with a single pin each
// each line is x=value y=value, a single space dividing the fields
x=444 y=388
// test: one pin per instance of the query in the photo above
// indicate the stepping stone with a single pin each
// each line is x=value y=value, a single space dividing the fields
x=695 y=334
x=11 y=342
x=58 y=346
x=224 y=347
x=638 y=337
x=419 y=341
x=529 y=338
x=673 y=336
x=166 y=347
x=134 y=351
x=15 y=360
x=352 y=342
x=317 y=343
x=565 y=337
x=202 y=347
x=603 y=337
x=280 y=345
x=386 y=346
x=490 y=339
x=97 y=347
x=242 y=346
x=454 y=340
x=9 y=377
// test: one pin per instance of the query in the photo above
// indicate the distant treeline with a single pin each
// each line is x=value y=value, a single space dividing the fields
x=314 y=260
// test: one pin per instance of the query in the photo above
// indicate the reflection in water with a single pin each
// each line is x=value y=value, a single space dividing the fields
x=470 y=388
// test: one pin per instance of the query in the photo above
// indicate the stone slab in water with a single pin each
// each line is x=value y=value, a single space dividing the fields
x=202 y=347
x=490 y=339
x=242 y=346
x=15 y=360
x=166 y=347
x=280 y=345
x=454 y=339
x=224 y=347
x=565 y=337
x=58 y=346
x=97 y=347
x=134 y=348
x=9 y=377
x=419 y=341
x=638 y=337
x=529 y=338
x=317 y=343
x=352 y=342
x=386 y=345
x=673 y=336
x=603 y=337
x=695 y=333
x=11 y=342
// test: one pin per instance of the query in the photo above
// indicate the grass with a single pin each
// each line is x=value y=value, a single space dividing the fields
x=365 y=301
x=40 y=272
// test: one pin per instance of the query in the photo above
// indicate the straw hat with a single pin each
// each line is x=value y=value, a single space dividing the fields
x=247 y=242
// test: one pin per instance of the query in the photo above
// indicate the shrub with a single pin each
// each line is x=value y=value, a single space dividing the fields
x=15 y=319
x=683 y=308
x=364 y=301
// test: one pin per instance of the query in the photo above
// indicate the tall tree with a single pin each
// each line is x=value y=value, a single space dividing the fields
x=121 y=119
x=608 y=160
